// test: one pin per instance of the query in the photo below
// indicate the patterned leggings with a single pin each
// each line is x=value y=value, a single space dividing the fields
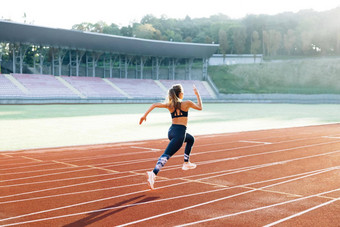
x=177 y=136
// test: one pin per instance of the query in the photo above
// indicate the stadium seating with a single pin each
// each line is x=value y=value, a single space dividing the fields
x=93 y=87
x=8 y=89
x=188 y=87
x=138 y=88
x=48 y=86
x=43 y=86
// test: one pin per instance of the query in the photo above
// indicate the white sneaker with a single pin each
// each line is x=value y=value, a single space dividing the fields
x=188 y=165
x=150 y=178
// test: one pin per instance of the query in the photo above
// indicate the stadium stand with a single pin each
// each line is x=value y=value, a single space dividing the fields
x=43 y=86
x=8 y=89
x=188 y=89
x=84 y=89
x=139 y=88
x=93 y=87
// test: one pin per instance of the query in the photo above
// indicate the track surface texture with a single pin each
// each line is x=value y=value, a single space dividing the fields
x=280 y=177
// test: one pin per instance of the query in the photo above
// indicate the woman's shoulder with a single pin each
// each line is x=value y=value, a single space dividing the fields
x=186 y=105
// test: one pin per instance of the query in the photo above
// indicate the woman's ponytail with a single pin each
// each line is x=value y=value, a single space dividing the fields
x=173 y=96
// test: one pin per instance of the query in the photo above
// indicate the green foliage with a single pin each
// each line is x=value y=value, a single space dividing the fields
x=307 y=33
x=304 y=76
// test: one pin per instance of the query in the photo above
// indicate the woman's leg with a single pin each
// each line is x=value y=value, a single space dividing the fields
x=174 y=145
x=190 y=140
x=176 y=136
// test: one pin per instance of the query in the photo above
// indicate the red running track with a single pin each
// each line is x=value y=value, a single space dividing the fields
x=281 y=177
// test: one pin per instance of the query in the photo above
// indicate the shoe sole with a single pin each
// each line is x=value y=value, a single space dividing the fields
x=147 y=180
x=186 y=168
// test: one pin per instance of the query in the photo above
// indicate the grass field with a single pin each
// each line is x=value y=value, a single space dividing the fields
x=299 y=76
x=40 y=126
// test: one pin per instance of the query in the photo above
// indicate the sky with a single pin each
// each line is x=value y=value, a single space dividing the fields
x=66 y=13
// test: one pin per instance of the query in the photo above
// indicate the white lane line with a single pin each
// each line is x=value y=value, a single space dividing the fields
x=217 y=200
x=117 y=196
x=57 y=180
x=229 y=172
x=247 y=141
x=302 y=212
x=244 y=169
x=28 y=166
x=41 y=170
x=228 y=149
x=32 y=159
x=65 y=186
x=257 y=154
x=146 y=148
x=222 y=150
x=171 y=185
x=134 y=153
x=7 y=155
x=331 y=137
x=174 y=166
x=260 y=208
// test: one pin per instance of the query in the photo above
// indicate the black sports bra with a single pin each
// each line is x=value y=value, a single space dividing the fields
x=181 y=114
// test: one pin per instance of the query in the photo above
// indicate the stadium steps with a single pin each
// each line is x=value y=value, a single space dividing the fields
x=17 y=83
x=209 y=89
x=69 y=86
x=161 y=85
x=117 y=88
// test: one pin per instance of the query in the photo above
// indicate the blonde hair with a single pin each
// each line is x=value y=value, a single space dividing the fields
x=173 y=99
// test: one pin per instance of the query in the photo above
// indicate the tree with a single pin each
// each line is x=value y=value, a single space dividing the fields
x=265 y=41
x=112 y=29
x=147 y=31
x=289 y=40
x=275 y=41
x=223 y=41
x=306 y=42
x=239 y=40
x=127 y=31
x=255 y=43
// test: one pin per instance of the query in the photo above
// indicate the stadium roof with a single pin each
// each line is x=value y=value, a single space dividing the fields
x=78 y=40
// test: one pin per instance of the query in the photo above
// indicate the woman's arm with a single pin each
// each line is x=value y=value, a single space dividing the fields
x=199 y=105
x=153 y=106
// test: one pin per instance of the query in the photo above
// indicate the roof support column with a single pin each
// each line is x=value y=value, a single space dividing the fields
x=52 y=65
x=61 y=55
x=14 y=58
x=60 y=61
x=77 y=63
x=41 y=62
x=172 y=69
x=126 y=67
x=120 y=66
x=205 y=69
x=0 y=55
x=70 y=62
x=110 y=66
x=189 y=67
x=157 y=67
x=142 y=61
x=94 y=62
x=87 y=65
x=79 y=56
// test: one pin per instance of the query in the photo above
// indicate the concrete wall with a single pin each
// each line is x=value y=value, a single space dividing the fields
x=232 y=59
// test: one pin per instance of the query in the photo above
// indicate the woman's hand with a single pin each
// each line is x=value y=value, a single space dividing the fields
x=142 y=119
x=195 y=90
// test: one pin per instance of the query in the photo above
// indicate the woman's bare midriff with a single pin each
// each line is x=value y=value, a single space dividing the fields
x=180 y=121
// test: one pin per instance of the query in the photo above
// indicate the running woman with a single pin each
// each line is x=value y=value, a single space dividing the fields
x=177 y=133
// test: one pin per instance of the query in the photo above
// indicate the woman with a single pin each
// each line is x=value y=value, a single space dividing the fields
x=177 y=132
